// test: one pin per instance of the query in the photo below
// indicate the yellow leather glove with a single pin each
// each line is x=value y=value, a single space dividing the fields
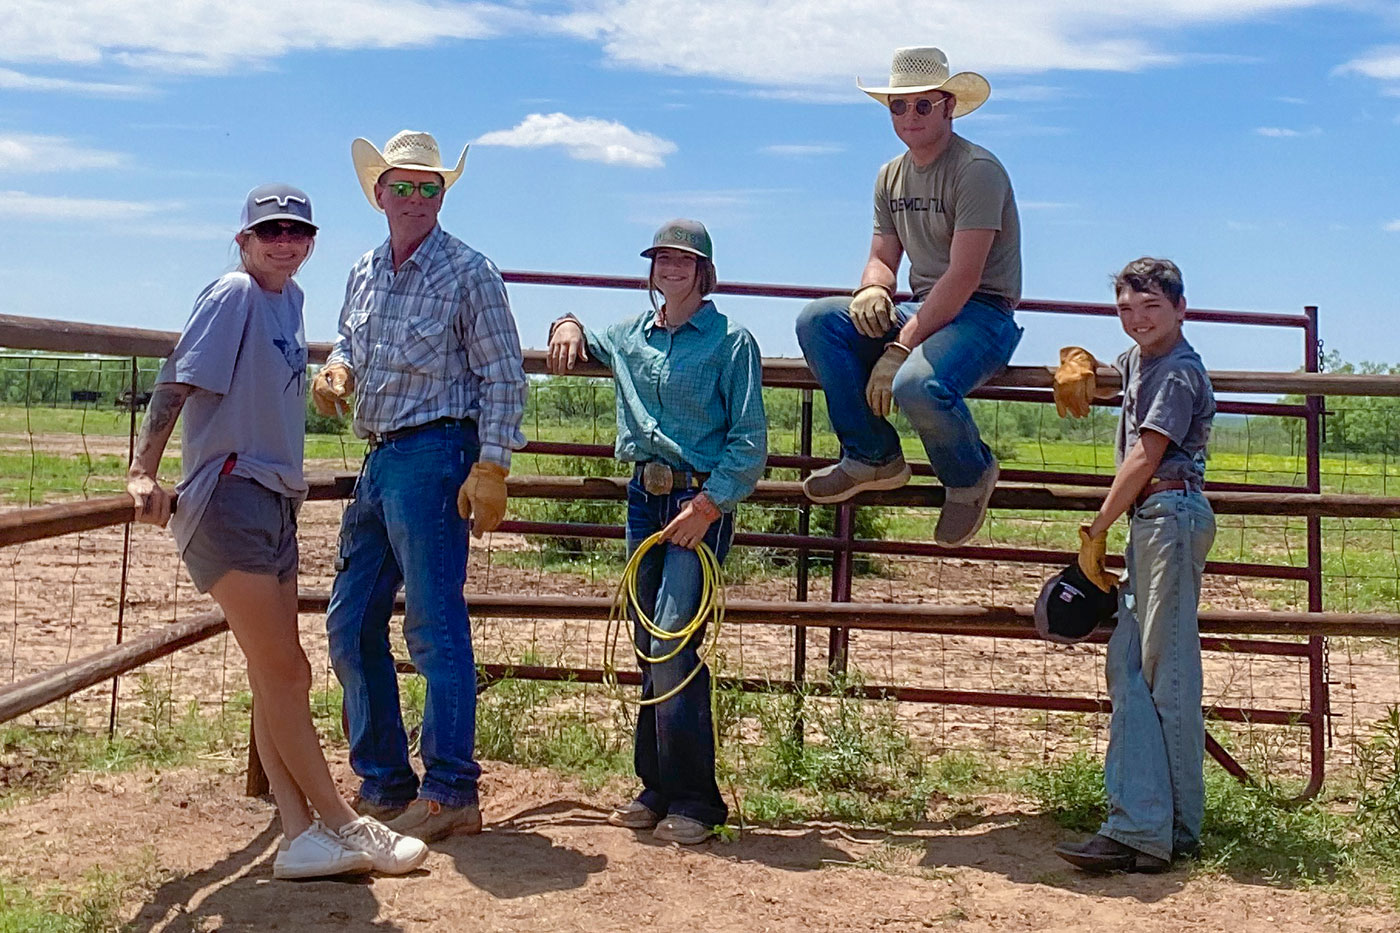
x=1075 y=382
x=872 y=310
x=482 y=497
x=329 y=388
x=1091 y=558
x=879 y=388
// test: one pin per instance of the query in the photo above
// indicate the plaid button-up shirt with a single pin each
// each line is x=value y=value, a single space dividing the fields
x=434 y=339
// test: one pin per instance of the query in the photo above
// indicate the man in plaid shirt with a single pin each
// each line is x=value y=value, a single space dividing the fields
x=429 y=349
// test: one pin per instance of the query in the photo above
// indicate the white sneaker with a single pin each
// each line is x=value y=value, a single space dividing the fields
x=391 y=853
x=316 y=853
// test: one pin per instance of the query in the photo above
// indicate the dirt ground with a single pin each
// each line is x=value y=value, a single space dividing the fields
x=548 y=861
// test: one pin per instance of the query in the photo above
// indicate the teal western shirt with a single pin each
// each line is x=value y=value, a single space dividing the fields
x=691 y=397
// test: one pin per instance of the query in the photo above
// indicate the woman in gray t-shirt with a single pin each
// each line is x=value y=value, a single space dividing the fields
x=238 y=372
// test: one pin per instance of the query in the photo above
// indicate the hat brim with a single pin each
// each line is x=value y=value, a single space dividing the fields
x=650 y=251
x=263 y=220
x=970 y=89
x=370 y=164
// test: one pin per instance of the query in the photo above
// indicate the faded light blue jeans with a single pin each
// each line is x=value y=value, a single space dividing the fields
x=929 y=387
x=1156 y=736
x=674 y=753
x=402 y=529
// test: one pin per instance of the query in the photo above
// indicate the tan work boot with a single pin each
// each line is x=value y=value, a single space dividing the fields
x=381 y=812
x=430 y=821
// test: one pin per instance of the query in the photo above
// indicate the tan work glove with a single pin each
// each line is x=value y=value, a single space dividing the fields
x=879 y=388
x=872 y=310
x=1091 y=558
x=482 y=497
x=1075 y=382
x=329 y=388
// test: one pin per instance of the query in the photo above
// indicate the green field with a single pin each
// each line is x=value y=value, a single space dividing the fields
x=50 y=454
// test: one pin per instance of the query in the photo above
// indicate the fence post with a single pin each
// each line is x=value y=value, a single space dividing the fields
x=126 y=550
x=1319 y=704
x=804 y=528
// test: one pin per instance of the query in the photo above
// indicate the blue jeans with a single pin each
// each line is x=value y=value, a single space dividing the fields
x=929 y=387
x=403 y=529
x=1156 y=737
x=674 y=752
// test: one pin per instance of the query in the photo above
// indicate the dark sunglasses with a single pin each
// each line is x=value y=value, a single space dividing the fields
x=428 y=189
x=923 y=106
x=274 y=229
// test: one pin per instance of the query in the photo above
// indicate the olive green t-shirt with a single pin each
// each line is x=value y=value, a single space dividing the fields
x=965 y=188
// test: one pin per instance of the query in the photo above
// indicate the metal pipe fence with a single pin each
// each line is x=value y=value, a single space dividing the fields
x=1269 y=483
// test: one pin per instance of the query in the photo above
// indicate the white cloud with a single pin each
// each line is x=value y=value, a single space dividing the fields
x=12 y=80
x=1392 y=227
x=800 y=150
x=825 y=43
x=26 y=153
x=588 y=139
x=813 y=46
x=59 y=207
x=214 y=35
x=1291 y=100
x=1381 y=63
x=1283 y=132
x=1046 y=205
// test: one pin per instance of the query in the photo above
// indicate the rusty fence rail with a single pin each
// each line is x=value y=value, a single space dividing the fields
x=1055 y=490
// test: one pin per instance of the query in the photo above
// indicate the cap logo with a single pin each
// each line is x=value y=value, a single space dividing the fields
x=281 y=200
x=1069 y=594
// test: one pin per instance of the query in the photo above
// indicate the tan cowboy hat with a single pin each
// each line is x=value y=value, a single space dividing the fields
x=407 y=149
x=915 y=70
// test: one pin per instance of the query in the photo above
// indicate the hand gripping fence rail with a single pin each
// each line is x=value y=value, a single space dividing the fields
x=1241 y=632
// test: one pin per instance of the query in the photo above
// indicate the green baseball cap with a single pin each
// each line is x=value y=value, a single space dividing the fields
x=688 y=236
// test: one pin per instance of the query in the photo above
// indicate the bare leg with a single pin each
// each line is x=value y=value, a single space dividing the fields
x=262 y=613
x=291 y=802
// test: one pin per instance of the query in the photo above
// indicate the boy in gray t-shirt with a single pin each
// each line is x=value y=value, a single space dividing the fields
x=1156 y=743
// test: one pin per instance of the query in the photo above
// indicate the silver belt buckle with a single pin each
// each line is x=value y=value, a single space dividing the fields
x=657 y=478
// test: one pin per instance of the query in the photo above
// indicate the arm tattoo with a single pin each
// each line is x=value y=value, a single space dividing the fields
x=164 y=408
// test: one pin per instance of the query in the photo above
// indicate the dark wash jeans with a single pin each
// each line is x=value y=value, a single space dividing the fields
x=675 y=748
x=402 y=529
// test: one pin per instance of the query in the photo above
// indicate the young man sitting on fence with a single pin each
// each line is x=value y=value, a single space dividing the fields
x=1153 y=770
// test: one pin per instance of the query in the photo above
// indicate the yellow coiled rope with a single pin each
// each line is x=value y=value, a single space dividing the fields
x=626 y=604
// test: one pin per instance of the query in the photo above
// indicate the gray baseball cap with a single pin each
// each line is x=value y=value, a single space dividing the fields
x=275 y=202
x=688 y=236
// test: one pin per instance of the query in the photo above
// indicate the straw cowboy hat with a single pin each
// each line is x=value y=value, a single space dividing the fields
x=407 y=149
x=916 y=70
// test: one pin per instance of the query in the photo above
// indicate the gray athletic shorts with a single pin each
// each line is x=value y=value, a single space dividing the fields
x=245 y=527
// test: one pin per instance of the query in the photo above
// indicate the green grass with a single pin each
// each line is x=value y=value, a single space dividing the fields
x=91 y=905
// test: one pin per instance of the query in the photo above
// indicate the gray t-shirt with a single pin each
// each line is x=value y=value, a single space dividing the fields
x=1170 y=394
x=244 y=351
x=965 y=188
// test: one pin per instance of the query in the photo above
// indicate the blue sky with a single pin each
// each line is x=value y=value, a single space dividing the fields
x=1254 y=141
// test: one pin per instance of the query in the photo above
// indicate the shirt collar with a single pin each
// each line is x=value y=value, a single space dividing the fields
x=422 y=257
x=703 y=318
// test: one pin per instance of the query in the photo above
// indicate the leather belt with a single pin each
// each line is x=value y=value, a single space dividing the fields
x=660 y=478
x=379 y=440
x=1160 y=485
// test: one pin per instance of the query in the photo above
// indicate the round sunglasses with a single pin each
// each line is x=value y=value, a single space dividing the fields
x=923 y=106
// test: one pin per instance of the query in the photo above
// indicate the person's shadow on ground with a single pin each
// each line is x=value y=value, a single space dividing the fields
x=238 y=893
x=510 y=859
